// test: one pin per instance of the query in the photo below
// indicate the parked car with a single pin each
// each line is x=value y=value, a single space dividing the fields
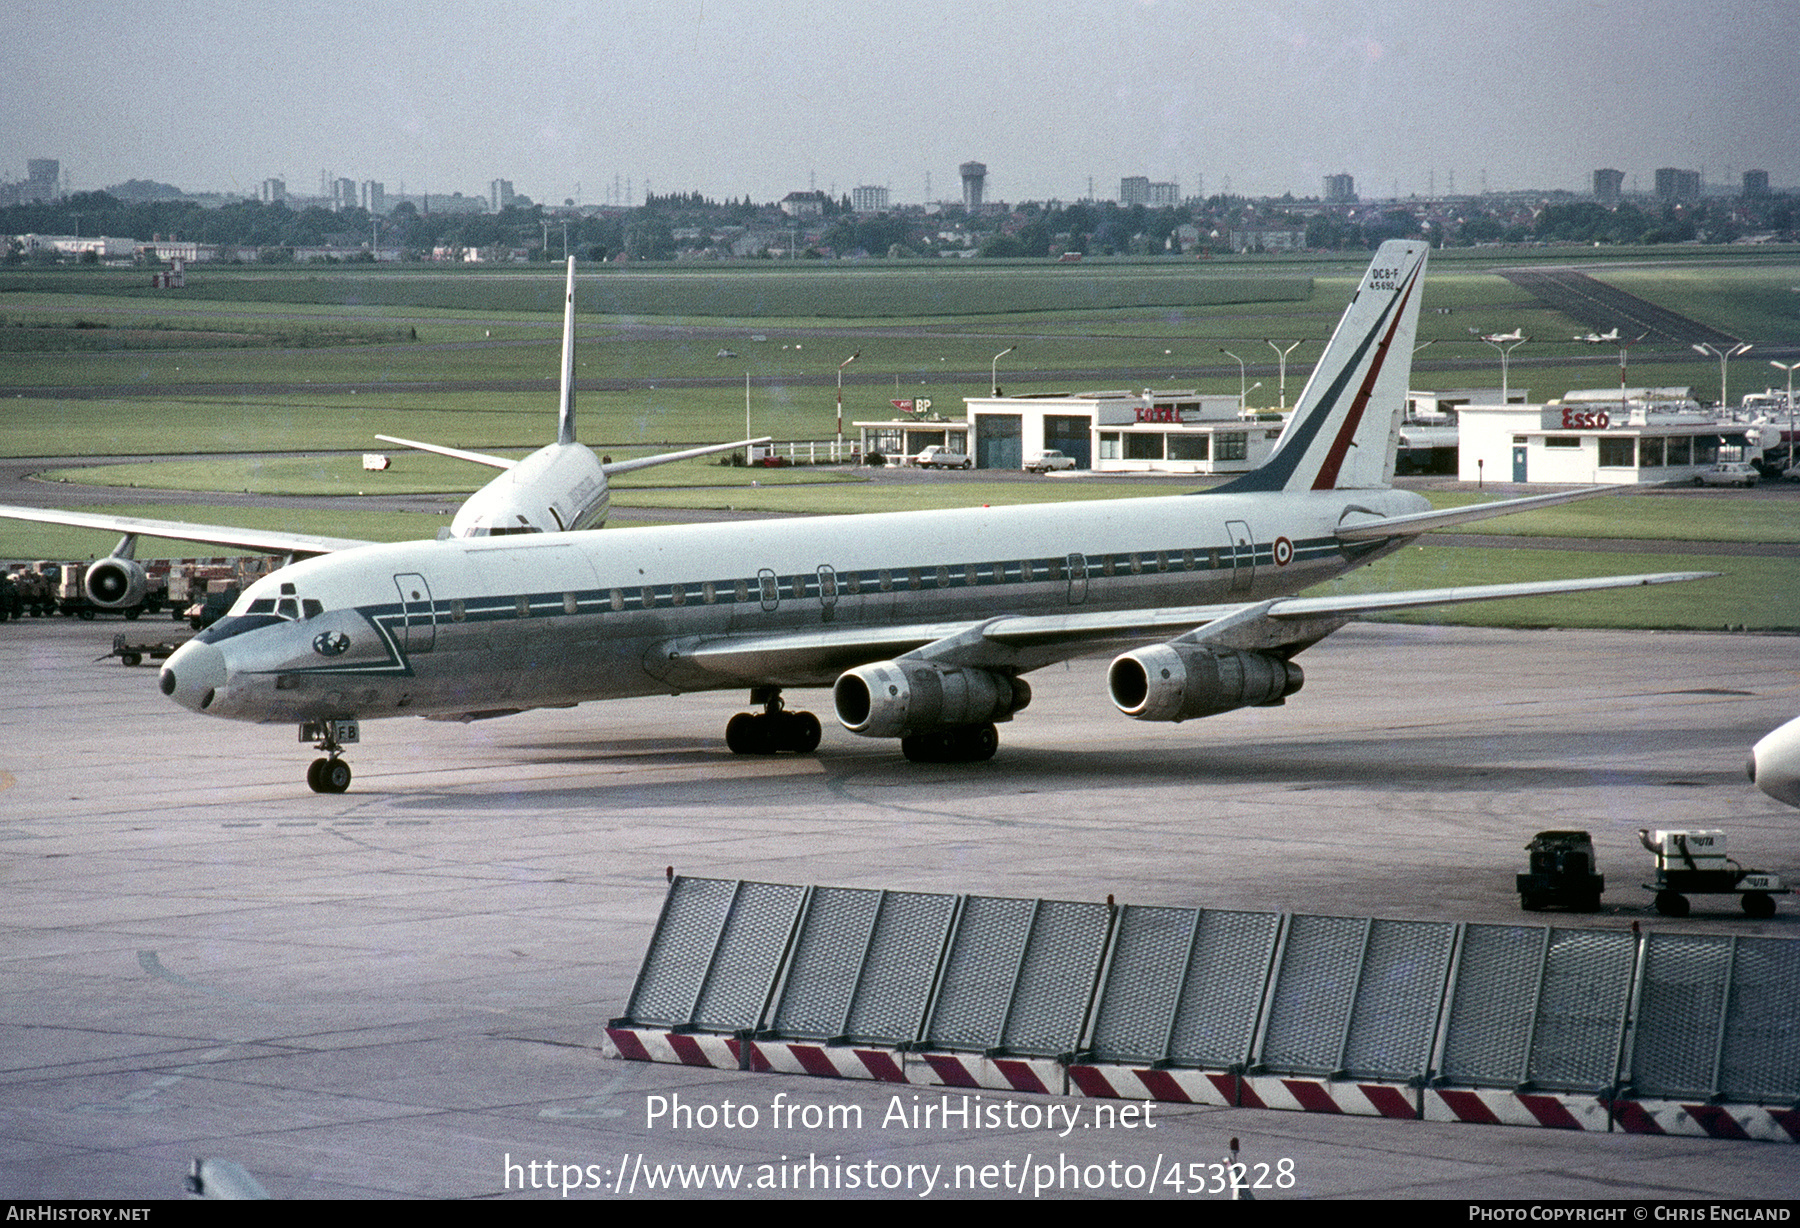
x=939 y=457
x=1048 y=461
x=1728 y=473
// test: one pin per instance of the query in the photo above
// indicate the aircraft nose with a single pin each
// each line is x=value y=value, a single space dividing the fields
x=194 y=676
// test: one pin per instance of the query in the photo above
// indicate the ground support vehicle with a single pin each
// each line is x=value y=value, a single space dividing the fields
x=1562 y=873
x=132 y=652
x=1694 y=863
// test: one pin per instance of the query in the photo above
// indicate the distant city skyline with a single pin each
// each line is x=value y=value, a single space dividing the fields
x=764 y=97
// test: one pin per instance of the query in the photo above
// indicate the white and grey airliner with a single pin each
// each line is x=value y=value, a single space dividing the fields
x=923 y=624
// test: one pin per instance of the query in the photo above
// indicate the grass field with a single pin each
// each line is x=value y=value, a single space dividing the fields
x=370 y=338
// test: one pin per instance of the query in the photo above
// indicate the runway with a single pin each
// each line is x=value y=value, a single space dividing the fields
x=400 y=991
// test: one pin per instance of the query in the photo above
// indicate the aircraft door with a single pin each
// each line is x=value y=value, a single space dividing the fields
x=419 y=633
x=768 y=590
x=1243 y=555
x=1077 y=578
x=828 y=593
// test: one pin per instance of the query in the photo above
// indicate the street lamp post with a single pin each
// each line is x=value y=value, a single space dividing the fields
x=1242 y=390
x=1724 y=356
x=840 y=406
x=994 y=369
x=1505 y=349
x=1788 y=367
x=1283 y=356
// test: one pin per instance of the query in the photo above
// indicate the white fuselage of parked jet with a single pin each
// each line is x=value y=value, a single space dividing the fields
x=477 y=626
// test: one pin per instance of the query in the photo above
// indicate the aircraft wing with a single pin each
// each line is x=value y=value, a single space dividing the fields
x=265 y=540
x=1027 y=642
x=1427 y=522
x=480 y=458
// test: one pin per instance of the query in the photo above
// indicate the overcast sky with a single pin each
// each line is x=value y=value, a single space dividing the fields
x=762 y=97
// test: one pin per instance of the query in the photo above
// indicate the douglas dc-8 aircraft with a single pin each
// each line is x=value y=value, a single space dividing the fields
x=922 y=623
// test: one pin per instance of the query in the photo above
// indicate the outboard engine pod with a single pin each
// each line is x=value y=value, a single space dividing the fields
x=1177 y=682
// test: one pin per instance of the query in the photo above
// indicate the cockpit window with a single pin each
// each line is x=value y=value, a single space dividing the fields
x=225 y=628
x=288 y=608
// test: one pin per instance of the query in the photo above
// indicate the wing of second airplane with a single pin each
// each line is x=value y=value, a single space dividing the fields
x=1020 y=643
x=265 y=540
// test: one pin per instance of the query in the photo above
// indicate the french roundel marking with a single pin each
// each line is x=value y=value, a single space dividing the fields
x=1284 y=552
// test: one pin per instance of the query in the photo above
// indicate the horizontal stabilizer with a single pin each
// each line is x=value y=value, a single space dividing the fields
x=1430 y=522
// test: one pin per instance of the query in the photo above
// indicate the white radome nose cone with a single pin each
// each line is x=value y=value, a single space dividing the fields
x=194 y=676
x=1775 y=764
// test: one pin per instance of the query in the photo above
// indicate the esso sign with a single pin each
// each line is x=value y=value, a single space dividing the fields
x=1576 y=419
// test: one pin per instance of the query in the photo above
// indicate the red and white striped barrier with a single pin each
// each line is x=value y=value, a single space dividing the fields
x=831 y=1061
x=1497 y=1106
x=1107 y=1082
x=1736 y=1121
x=1046 y=1076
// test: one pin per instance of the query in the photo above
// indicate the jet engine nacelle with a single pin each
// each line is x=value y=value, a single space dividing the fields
x=896 y=699
x=1775 y=764
x=115 y=584
x=1176 y=682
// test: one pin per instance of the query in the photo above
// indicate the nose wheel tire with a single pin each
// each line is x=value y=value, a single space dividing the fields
x=328 y=776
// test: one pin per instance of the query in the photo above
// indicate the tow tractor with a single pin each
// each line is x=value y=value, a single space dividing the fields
x=1694 y=863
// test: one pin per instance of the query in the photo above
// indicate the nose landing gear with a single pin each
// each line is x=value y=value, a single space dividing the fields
x=330 y=774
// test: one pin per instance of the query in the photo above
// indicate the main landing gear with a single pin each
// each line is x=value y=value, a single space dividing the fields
x=330 y=774
x=773 y=730
x=963 y=744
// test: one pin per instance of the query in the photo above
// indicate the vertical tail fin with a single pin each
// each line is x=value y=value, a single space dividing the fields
x=1346 y=424
x=565 y=410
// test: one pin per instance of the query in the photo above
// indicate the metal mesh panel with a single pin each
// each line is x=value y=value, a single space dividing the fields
x=979 y=974
x=1314 y=990
x=1056 y=982
x=1143 y=983
x=815 y=1001
x=1581 y=1013
x=903 y=960
x=1681 y=1006
x=1762 y=1037
x=1492 y=1005
x=1222 y=995
x=1397 y=999
x=669 y=983
x=749 y=957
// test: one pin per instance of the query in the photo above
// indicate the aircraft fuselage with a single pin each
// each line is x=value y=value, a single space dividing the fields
x=479 y=626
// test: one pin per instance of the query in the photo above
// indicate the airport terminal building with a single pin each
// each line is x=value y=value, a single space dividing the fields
x=1161 y=431
x=1582 y=440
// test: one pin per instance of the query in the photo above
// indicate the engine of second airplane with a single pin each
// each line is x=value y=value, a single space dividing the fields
x=1177 y=682
x=115 y=584
x=896 y=699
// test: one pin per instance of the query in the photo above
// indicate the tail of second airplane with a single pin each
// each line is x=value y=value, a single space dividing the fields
x=559 y=487
x=1346 y=424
